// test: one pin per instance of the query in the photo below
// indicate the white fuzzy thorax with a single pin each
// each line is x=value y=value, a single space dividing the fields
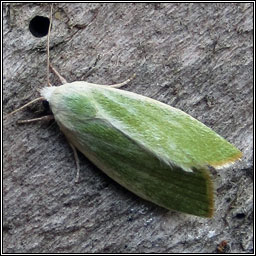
x=46 y=92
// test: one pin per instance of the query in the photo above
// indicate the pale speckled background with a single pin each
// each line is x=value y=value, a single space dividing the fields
x=196 y=57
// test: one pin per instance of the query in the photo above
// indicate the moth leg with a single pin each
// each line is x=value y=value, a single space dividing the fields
x=77 y=162
x=24 y=106
x=48 y=117
x=123 y=83
x=61 y=78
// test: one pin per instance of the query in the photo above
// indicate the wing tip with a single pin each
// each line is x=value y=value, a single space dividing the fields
x=228 y=161
x=209 y=183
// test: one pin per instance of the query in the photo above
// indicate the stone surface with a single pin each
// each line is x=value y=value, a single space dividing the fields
x=196 y=57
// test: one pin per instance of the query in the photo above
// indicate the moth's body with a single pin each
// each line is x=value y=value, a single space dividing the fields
x=158 y=152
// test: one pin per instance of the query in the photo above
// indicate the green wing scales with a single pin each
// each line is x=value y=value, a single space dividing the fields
x=158 y=152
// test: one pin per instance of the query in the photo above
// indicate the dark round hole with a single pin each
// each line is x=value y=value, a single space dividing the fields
x=240 y=215
x=39 y=26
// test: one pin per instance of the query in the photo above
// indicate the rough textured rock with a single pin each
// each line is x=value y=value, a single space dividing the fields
x=196 y=57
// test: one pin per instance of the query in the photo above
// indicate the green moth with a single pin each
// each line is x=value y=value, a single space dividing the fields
x=156 y=151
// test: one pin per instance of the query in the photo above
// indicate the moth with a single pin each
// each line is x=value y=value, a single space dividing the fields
x=154 y=150
x=158 y=152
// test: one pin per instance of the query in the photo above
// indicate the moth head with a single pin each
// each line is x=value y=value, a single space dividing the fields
x=46 y=92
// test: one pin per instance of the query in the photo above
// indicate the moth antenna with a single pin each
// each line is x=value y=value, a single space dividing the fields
x=24 y=106
x=62 y=79
x=48 y=48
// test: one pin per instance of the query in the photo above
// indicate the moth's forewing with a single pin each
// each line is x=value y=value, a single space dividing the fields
x=158 y=152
